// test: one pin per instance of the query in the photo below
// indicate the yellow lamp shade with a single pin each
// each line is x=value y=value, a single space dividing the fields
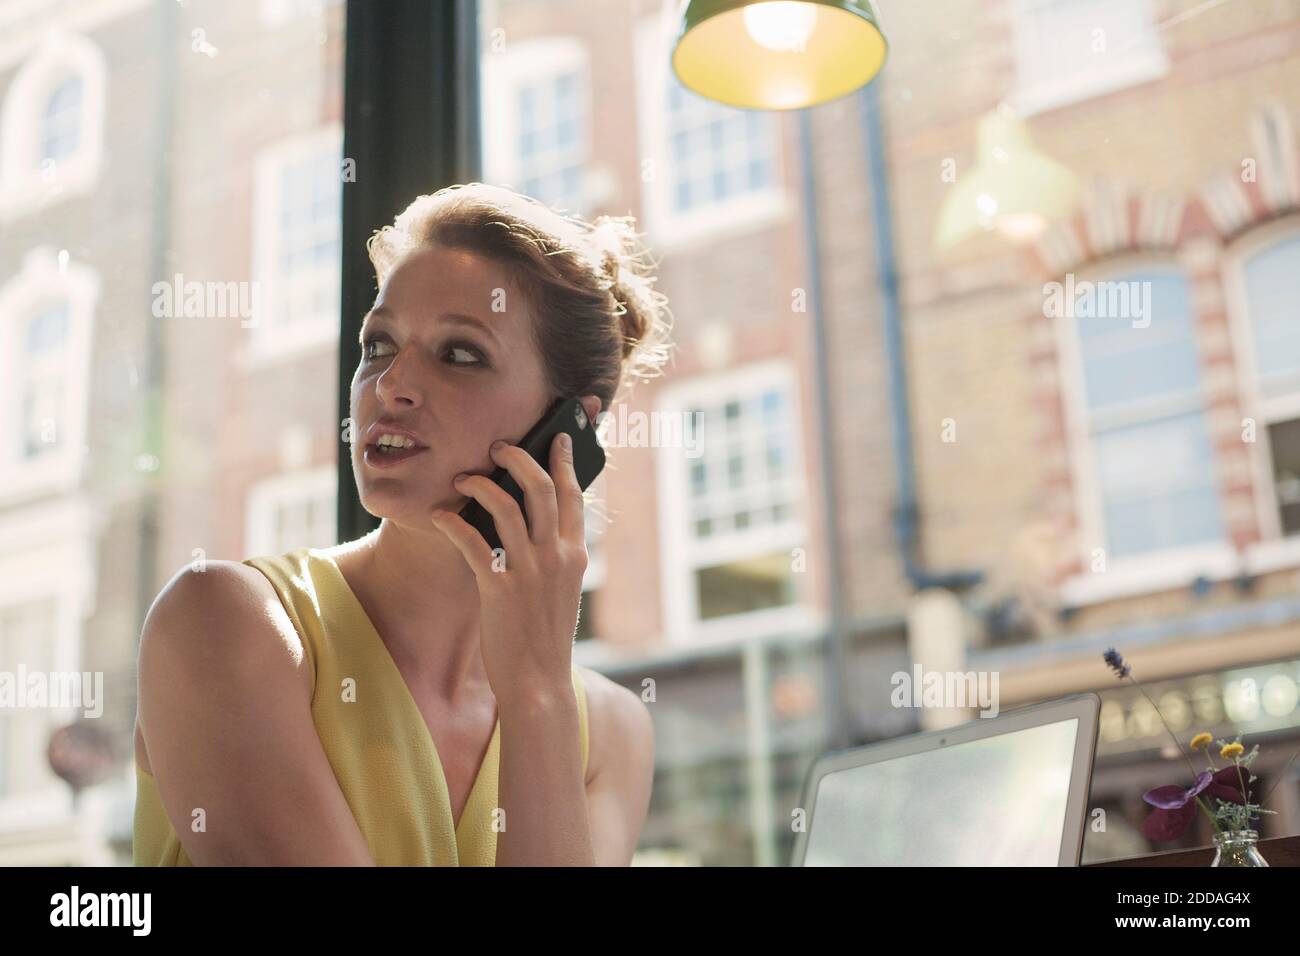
x=1012 y=188
x=777 y=54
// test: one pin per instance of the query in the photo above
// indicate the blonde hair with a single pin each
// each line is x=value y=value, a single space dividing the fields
x=599 y=319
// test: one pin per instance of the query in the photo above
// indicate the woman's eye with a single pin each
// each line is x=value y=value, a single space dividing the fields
x=461 y=352
x=378 y=348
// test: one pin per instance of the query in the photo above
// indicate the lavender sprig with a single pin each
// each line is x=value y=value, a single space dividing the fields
x=1115 y=661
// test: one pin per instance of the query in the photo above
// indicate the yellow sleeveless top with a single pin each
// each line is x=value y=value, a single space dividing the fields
x=378 y=744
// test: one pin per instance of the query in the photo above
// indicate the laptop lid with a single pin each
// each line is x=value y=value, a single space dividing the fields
x=1010 y=790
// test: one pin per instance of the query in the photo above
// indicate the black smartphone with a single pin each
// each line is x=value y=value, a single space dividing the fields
x=566 y=415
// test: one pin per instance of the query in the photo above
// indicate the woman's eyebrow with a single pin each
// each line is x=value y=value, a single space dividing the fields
x=361 y=332
x=451 y=318
x=456 y=318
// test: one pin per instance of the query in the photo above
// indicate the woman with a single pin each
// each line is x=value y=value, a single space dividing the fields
x=409 y=698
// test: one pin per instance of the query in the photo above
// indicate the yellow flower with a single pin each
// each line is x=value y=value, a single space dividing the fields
x=1231 y=750
x=1201 y=739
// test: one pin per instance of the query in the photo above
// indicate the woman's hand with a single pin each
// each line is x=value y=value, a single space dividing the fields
x=528 y=596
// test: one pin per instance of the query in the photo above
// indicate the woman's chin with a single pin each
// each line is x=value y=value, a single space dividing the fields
x=397 y=505
x=405 y=505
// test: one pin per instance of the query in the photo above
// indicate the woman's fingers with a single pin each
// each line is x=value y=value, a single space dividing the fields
x=539 y=490
x=467 y=540
x=568 y=492
x=507 y=517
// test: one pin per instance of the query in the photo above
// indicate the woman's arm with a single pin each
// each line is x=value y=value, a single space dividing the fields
x=529 y=596
x=225 y=711
x=548 y=814
x=620 y=768
x=540 y=787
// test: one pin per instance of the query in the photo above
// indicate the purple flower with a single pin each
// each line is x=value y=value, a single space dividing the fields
x=1226 y=784
x=1116 y=663
x=1174 y=797
x=1175 y=808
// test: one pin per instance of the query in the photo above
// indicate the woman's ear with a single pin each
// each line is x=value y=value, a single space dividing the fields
x=591 y=405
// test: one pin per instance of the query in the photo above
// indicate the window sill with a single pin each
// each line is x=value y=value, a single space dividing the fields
x=1177 y=569
x=1277 y=555
x=28 y=193
x=754 y=625
x=1150 y=574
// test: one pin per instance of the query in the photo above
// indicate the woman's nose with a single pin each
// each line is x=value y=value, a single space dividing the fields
x=399 y=384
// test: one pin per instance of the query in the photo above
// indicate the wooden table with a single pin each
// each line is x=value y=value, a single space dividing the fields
x=1279 y=851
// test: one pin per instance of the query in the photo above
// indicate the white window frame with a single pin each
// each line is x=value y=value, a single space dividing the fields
x=667 y=229
x=680 y=555
x=39 y=282
x=504 y=75
x=24 y=185
x=46 y=554
x=270 y=342
x=1274 y=550
x=1140 y=574
x=1032 y=95
x=267 y=496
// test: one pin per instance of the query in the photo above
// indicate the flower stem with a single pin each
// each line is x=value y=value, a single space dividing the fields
x=1167 y=727
x=1213 y=822
x=1245 y=796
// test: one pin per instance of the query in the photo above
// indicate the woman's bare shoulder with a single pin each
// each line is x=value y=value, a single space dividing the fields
x=219 y=618
x=618 y=722
x=224 y=707
x=212 y=590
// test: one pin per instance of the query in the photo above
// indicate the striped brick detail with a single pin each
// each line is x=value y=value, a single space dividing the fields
x=1159 y=220
x=1106 y=217
x=1112 y=220
x=1201 y=259
x=1228 y=204
x=1277 y=184
x=1060 y=248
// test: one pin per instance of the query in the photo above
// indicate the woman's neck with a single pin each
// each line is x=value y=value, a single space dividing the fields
x=423 y=600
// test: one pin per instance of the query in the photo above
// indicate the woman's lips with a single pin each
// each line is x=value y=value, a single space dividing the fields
x=387 y=459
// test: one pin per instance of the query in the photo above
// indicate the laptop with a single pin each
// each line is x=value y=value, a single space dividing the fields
x=1010 y=790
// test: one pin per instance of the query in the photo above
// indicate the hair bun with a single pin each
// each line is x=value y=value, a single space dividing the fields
x=642 y=311
x=612 y=266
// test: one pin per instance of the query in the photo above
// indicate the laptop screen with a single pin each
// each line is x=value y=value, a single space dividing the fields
x=996 y=801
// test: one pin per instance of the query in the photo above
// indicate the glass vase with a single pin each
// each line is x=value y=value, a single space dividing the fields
x=1237 y=848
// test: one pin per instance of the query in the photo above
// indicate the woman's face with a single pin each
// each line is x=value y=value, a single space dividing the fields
x=447 y=374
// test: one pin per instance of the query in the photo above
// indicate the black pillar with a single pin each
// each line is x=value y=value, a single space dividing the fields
x=410 y=126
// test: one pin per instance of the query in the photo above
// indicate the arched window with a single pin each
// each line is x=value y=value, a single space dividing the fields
x=61 y=124
x=1271 y=278
x=1264 y=285
x=1141 y=440
x=52 y=125
x=46 y=313
x=42 y=376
